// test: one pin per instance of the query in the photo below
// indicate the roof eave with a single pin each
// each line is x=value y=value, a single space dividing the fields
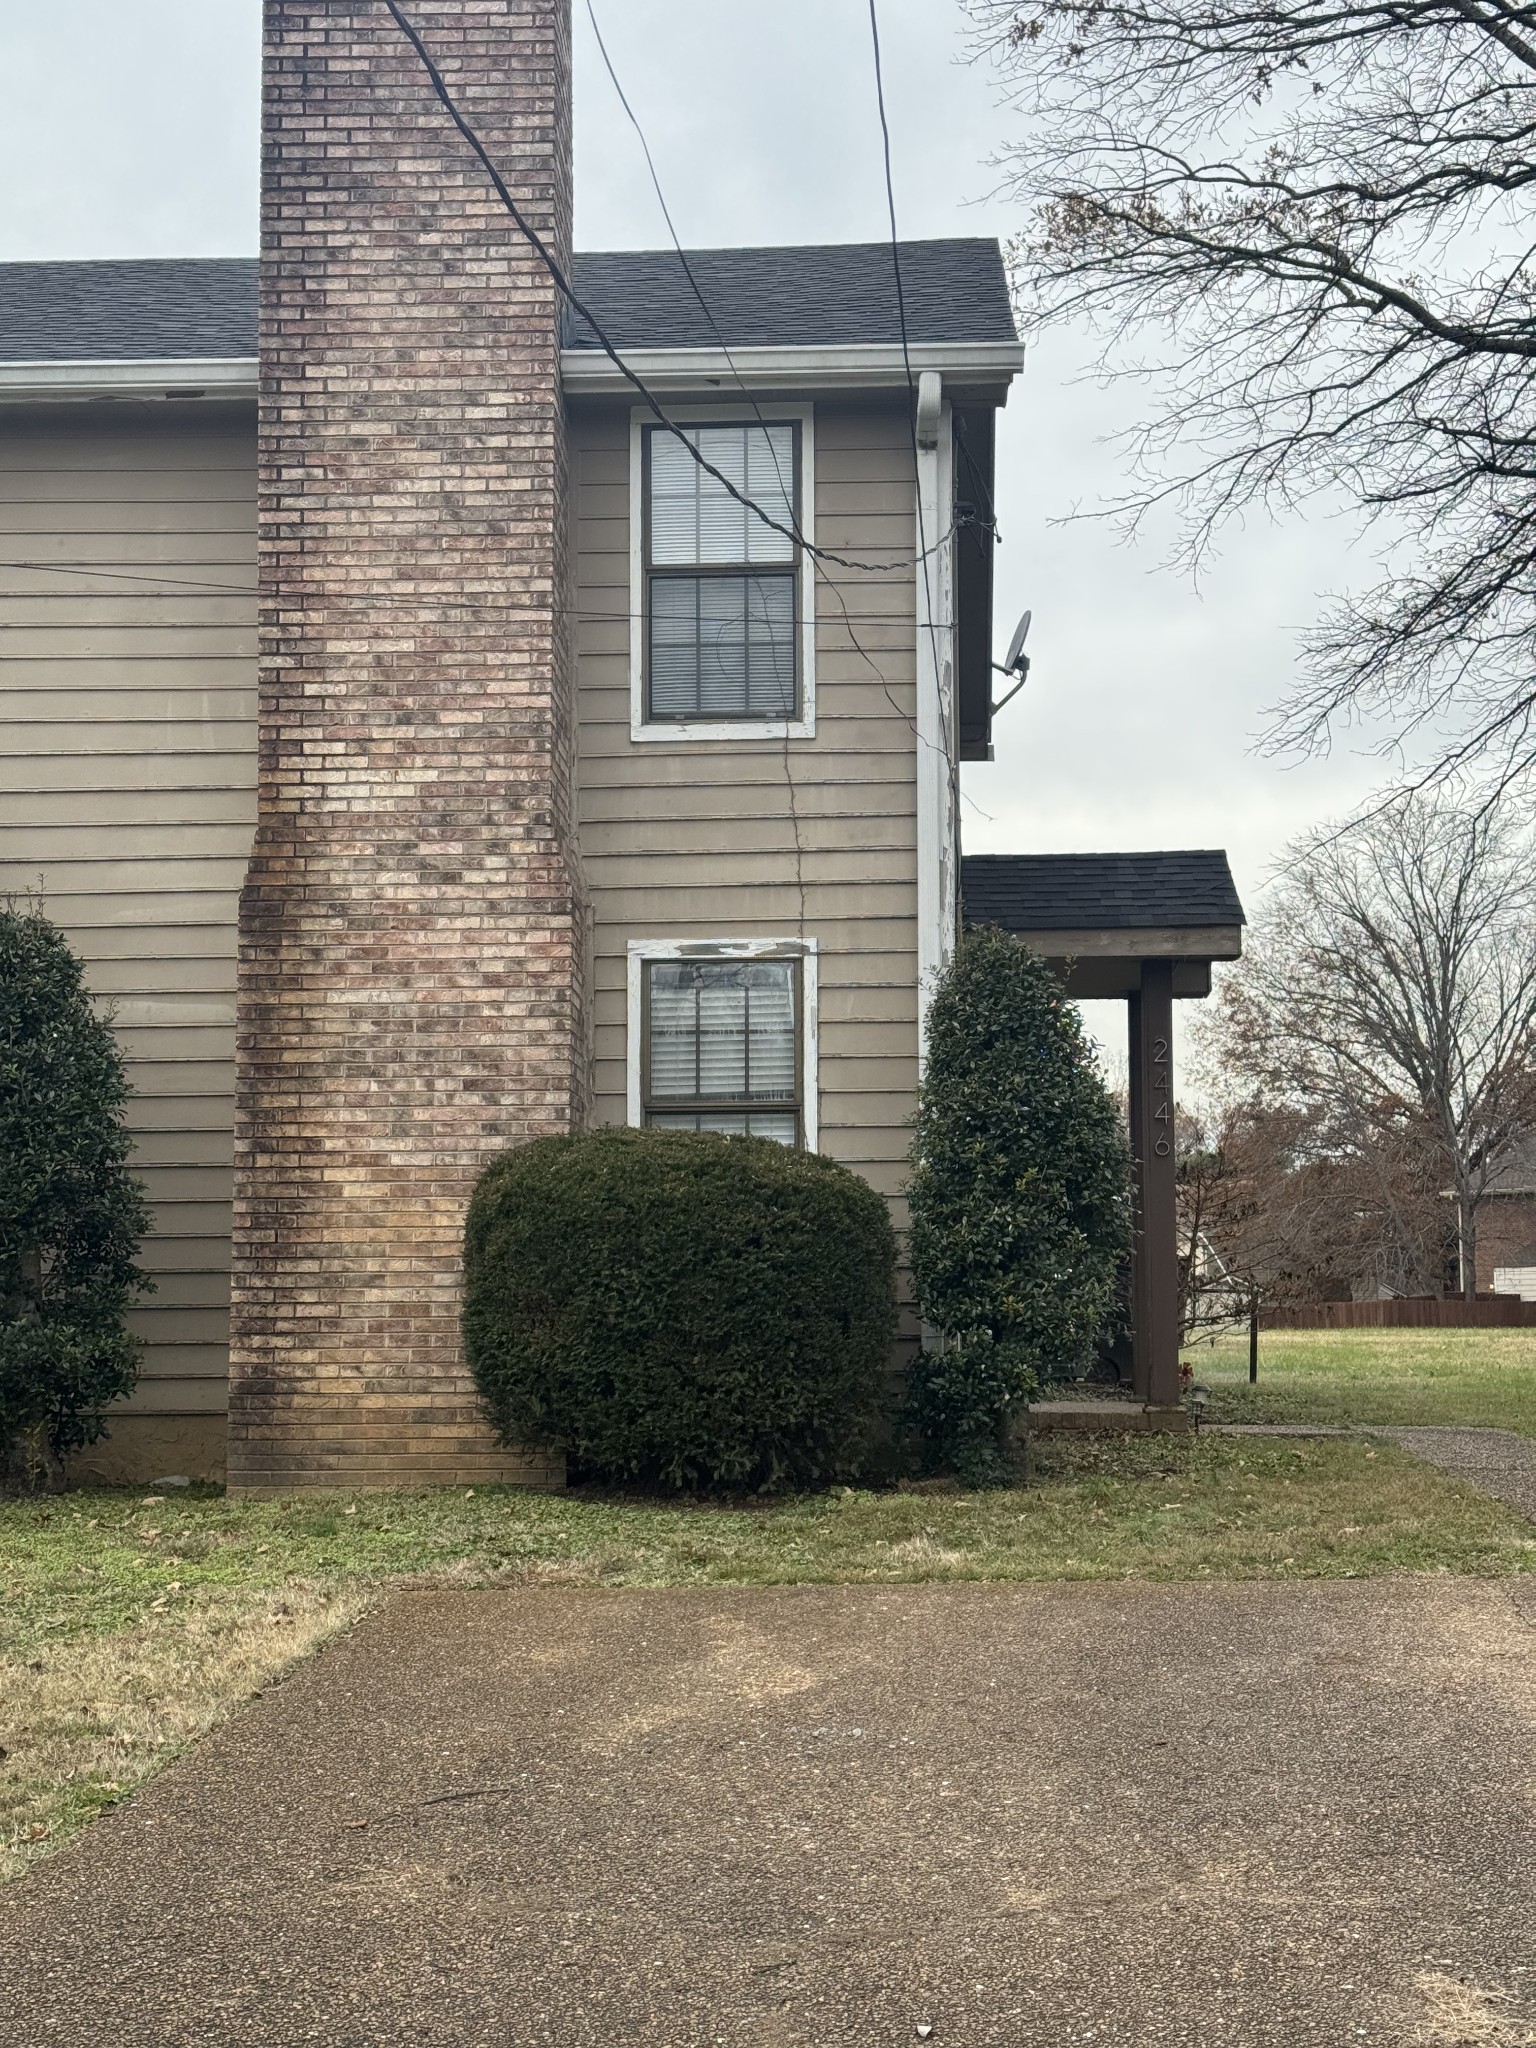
x=179 y=377
x=587 y=372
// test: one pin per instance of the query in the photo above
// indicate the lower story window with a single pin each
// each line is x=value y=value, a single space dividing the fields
x=721 y=1045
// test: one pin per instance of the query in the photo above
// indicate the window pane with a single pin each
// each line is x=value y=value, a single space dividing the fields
x=731 y=1123
x=778 y=1127
x=722 y=1015
x=771 y=1033
x=722 y=647
x=695 y=519
x=674 y=1035
x=674 y=667
x=722 y=1031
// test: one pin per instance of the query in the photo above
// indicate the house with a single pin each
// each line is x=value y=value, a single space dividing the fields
x=425 y=745
x=1506 y=1225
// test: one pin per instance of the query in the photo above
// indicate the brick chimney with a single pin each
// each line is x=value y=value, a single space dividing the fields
x=410 y=998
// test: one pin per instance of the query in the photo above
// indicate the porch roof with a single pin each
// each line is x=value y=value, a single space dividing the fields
x=1106 y=913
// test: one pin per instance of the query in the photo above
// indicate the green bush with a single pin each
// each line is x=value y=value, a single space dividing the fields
x=680 y=1309
x=71 y=1215
x=1020 y=1197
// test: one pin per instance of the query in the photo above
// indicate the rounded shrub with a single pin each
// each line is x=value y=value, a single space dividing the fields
x=680 y=1309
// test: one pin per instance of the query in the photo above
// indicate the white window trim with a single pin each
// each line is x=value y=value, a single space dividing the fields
x=803 y=950
x=801 y=728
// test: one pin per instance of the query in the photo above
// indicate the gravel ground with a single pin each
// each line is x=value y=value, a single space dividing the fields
x=1142 y=1816
x=1498 y=1460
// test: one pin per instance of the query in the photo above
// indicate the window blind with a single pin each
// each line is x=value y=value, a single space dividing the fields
x=722 y=646
x=696 y=522
x=721 y=1047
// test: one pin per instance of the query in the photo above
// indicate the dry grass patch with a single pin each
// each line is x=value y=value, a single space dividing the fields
x=1456 y=2014
x=85 y=1721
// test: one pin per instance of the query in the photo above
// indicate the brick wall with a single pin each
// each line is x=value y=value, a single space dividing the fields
x=1506 y=1235
x=410 y=944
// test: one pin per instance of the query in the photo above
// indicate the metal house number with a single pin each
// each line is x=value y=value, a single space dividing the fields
x=1162 y=1097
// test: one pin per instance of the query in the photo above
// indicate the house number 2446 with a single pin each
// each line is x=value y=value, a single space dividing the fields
x=1162 y=1098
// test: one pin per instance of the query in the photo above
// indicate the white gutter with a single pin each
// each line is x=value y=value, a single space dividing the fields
x=583 y=371
x=173 y=377
x=937 y=852
x=588 y=372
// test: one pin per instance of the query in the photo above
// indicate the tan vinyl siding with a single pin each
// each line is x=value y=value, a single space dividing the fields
x=127 y=792
x=715 y=839
x=127 y=776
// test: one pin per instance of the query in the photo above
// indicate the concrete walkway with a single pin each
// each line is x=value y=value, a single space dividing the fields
x=1498 y=1460
x=1275 y=1816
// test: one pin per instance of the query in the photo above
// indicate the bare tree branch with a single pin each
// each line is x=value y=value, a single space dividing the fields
x=1307 y=225
x=1389 y=998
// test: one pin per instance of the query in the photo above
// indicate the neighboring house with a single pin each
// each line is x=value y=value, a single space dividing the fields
x=1506 y=1226
x=578 y=793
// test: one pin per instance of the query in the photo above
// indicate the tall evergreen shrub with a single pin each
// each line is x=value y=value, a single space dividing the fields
x=1020 y=1198
x=71 y=1214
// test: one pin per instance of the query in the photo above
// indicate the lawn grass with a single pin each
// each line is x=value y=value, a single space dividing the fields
x=1481 y=1378
x=131 y=1623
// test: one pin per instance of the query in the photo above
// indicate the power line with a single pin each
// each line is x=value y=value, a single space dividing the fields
x=748 y=394
x=376 y=600
x=906 y=357
x=870 y=618
x=567 y=290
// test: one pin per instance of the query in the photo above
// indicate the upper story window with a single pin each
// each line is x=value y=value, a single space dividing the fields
x=724 y=641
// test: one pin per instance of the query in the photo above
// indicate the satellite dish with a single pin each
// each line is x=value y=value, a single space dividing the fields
x=1016 y=663
x=1013 y=660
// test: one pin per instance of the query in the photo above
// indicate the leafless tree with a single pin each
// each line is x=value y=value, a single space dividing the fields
x=1388 y=999
x=1276 y=1211
x=1309 y=222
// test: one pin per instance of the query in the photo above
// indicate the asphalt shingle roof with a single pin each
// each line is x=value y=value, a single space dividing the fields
x=1516 y=1175
x=1041 y=892
x=812 y=297
x=165 y=309
x=154 y=311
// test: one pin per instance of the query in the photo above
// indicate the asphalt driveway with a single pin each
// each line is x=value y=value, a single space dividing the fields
x=1252 y=1814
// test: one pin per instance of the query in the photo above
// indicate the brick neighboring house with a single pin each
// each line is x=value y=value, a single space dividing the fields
x=424 y=754
x=1506 y=1227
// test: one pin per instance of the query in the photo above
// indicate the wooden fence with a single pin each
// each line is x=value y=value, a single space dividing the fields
x=1411 y=1312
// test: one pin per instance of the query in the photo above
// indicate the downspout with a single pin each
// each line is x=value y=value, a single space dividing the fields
x=937 y=807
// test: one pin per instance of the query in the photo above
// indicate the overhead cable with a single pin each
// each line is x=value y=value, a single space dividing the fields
x=568 y=292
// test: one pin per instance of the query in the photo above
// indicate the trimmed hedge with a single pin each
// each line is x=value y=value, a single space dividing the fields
x=680 y=1309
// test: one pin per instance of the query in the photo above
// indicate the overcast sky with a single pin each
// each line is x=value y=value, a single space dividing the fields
x=131 y=130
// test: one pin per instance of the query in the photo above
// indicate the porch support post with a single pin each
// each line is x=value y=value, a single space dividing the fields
x=1138 y=1137
x=1155 y=1273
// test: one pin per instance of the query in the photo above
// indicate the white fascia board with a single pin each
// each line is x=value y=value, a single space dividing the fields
x=588 y=372
x=175 y=377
